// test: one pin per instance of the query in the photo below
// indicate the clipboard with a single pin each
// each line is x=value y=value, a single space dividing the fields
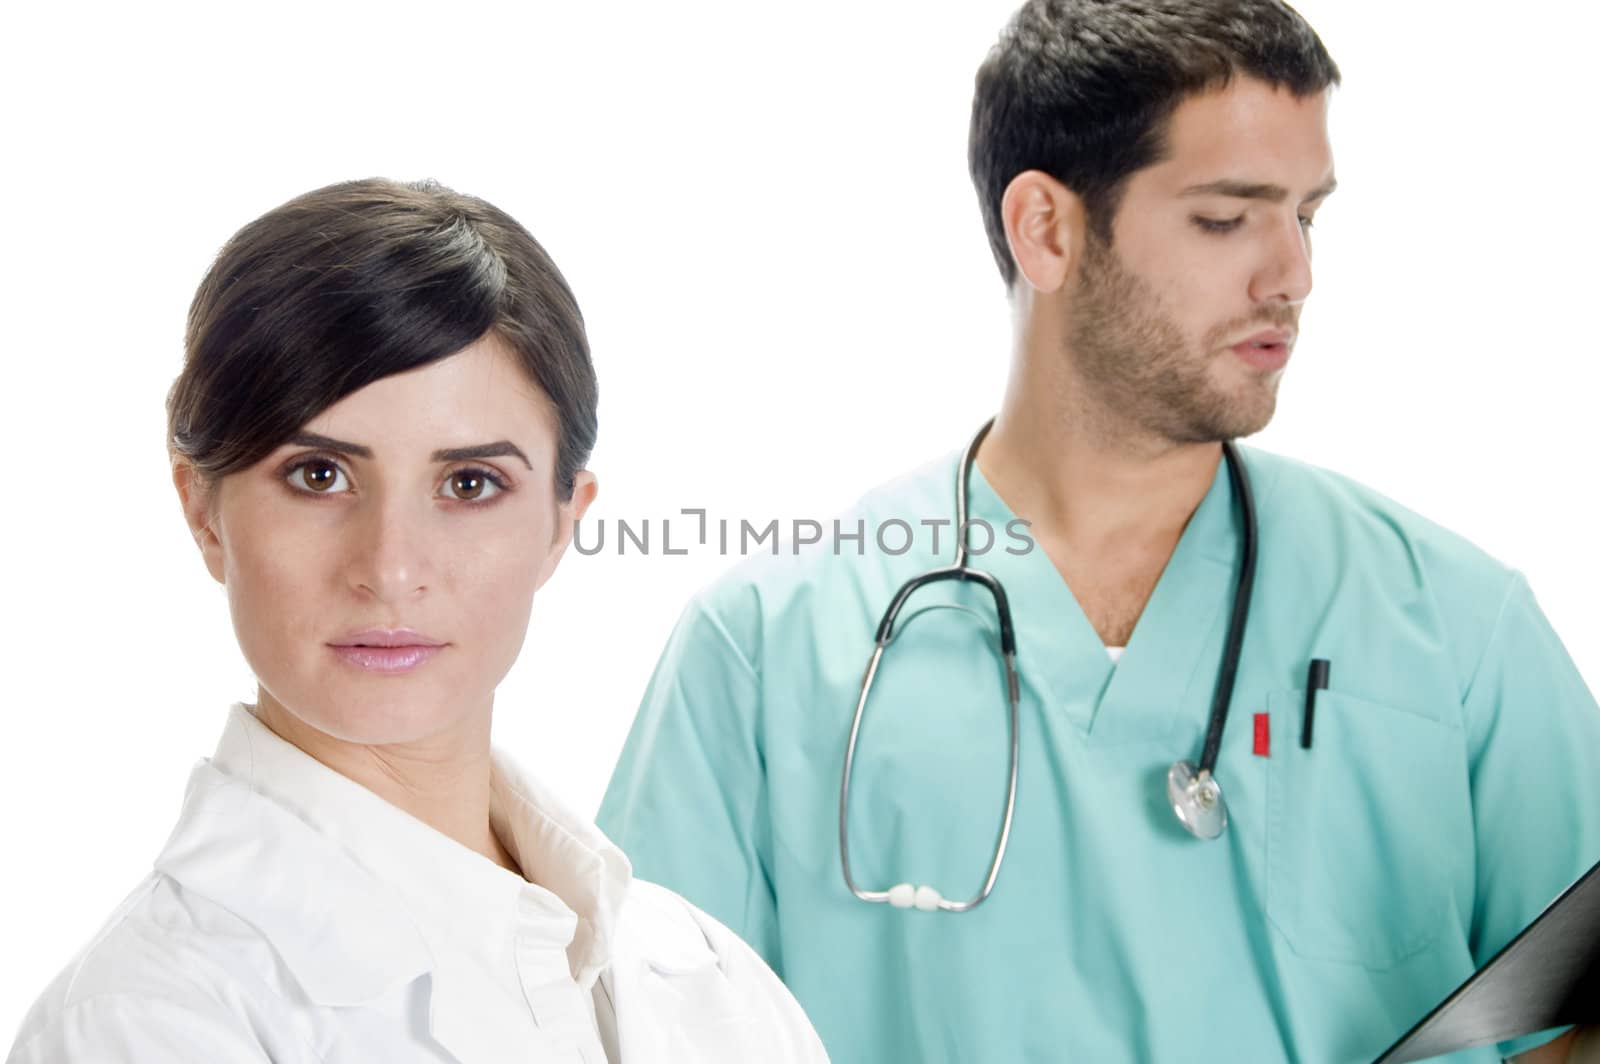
x=1548 y=976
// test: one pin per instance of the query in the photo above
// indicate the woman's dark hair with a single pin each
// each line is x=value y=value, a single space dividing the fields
x=356 y=282
x=1082 y=90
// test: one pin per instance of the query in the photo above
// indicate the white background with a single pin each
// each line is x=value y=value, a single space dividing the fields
x=765 y=213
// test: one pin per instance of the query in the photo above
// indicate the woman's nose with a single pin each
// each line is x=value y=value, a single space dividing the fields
x=389 y=554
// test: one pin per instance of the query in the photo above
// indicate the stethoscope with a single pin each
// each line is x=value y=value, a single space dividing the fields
x=1194 y=793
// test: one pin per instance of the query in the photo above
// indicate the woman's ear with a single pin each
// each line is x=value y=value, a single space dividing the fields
x=1044 y=223
x=584 y=488
x=198 y=498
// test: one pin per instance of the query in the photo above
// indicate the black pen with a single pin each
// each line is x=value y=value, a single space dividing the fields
x=1316 y=681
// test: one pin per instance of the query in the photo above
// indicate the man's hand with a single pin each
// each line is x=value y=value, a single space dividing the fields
x=1581 y=1045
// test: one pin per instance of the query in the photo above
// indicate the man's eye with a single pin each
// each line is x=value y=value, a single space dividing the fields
x=317 y=476
x=1306 y=222
x=472 y=485
x=1217 y=225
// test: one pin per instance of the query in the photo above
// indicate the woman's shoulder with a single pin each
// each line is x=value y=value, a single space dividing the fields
x=660 y=928
x=664 y=940
x=165 y=965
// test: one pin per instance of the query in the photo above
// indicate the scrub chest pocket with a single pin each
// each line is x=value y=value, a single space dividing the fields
x=1368 y=831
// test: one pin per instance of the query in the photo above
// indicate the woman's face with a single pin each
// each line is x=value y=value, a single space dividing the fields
x=419 y=511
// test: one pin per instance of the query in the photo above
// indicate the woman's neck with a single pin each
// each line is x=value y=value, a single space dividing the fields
x=442 y=779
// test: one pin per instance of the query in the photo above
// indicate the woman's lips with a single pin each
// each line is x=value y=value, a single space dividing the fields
x=386 y=660
x=390 y=651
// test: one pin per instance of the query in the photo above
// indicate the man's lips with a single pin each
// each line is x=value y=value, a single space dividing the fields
x=1266 y=350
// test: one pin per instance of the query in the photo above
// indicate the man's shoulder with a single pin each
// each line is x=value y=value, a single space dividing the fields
x=1338 y=538
x=1300 y=501
x=1321 y=510
x=1311 y=518
x=840 y=549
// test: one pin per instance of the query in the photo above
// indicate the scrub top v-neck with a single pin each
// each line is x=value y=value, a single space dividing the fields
x=1452 y=789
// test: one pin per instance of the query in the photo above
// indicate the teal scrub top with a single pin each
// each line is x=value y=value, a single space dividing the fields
x=1452 y=789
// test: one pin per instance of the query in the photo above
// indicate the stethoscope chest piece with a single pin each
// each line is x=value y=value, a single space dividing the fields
x=1196 y=798
x=1193 y=792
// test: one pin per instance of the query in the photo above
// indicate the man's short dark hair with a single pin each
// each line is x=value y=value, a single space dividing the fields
x=1083 y=89
x=358 y=281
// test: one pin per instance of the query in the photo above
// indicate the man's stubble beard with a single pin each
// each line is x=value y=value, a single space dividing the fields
x=1138 y=371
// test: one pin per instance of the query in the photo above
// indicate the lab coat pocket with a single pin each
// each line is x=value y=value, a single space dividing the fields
x=1367 y=830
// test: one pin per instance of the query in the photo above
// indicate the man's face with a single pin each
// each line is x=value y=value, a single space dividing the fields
x=1184 y=325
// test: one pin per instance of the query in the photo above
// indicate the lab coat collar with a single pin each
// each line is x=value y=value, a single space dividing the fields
x=358 y=898
x=568 y=855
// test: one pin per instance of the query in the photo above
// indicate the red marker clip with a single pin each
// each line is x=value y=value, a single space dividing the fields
x=1263 y=735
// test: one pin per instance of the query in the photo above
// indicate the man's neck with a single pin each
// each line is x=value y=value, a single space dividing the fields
x=1106 y=502
x=1091 y=491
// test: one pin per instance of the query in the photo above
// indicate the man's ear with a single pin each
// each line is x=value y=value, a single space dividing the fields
x=198 y=498
x=1044 y=222
x=584 y=488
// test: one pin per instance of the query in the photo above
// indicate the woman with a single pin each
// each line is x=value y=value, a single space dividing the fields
x=378 y=439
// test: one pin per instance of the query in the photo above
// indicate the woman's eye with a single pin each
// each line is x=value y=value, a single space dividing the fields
x=472 y=485
x=318 y=476
x=1306 y=223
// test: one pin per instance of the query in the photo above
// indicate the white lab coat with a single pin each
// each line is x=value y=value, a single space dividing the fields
x=296 y=918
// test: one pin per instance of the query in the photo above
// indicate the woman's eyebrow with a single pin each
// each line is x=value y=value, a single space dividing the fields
x=450 y=454
x=328 y=443
x=482 y=450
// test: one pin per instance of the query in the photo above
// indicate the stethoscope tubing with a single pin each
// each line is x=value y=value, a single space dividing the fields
x=1222 y=696
x=964 y=573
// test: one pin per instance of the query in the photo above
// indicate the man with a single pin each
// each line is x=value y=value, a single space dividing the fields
x=1149 y=173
